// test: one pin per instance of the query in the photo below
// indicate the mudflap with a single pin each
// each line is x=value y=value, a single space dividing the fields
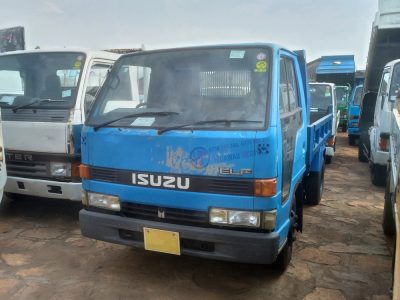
x=299 y=207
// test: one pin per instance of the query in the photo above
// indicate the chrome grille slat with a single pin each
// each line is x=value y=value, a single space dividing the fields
x=36 y=115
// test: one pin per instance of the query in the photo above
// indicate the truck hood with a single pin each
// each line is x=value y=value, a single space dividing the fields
x=199 y=153
x=45 y=137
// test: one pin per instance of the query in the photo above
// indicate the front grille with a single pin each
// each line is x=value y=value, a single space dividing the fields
x=169 y=215
x=35 y=165
x=201 y=184
x=36 y=115
x=27 y=169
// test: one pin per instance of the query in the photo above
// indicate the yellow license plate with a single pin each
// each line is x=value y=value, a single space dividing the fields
x=161 y=241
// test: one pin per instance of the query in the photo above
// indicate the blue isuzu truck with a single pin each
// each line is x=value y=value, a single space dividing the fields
x=204 y=151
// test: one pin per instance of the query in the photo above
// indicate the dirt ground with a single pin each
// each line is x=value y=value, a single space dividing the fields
x=342 y=253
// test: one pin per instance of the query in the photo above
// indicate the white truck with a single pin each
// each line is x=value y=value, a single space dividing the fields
x=45 y=97
x=380 y=131
x=391 y=215
x=323 y=102
x=3 y=171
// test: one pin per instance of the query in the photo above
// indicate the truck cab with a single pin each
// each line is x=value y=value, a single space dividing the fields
x=380 y=131
x=211 y=156
x=45 y=97
x=354 y=114
x=323 y=103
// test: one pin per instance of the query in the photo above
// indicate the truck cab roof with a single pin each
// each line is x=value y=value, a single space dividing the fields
x=274 y=47
x=88 y=53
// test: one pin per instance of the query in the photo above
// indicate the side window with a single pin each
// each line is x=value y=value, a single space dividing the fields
x=130 y=88
x=283 y=89
x=383 y=87
x=98 y=73
x=292 y=85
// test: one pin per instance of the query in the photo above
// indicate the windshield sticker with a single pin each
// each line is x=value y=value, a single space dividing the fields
x=261 y=66
x=261 y=56
x=66 y=93
x=77 y=64
x=237 y=54
x=143 y=122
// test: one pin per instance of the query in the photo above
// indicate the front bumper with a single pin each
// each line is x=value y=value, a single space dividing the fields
x=381 y=158
x=329 y=151
x=354 y=131
x=44 y=188
x=221 y=244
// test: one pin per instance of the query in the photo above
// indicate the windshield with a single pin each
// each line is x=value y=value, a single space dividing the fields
x=30 y=77
x=342 y=95
x=358 y=96
x=395 y=84
x=198 y=85
x=321 y=96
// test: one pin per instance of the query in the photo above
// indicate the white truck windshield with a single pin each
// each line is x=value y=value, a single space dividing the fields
x=321 y=96
x=30 y=77
x=196 y=85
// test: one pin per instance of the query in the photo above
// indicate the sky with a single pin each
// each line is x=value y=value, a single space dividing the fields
x=321 y=27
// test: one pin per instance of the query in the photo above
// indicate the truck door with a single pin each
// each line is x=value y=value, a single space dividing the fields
x=290 y=119
x=98 y=72
x=374 y=133
x=3 y=173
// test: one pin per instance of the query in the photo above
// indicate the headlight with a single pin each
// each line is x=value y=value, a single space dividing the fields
x=220 y=216
x=60 y=169
x=104 y=201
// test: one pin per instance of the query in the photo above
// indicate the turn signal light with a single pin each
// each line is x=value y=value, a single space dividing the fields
x=75 y=172
x=84 y=172
x=265 y=187
x=383 y=143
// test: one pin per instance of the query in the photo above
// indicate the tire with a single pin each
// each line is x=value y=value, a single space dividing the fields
x=378 y=175
x=388 y=222
x=352 y=140
x=284 y=257
x=361 y=156
x=315 y=186
x=12 y=196
x=328 y=159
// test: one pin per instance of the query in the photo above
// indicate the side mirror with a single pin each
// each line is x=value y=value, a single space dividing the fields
x=89 y=99
x=393 y=98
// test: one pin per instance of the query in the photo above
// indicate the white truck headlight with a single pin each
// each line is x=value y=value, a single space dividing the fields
x=220 y=216
x=60 y=169
x=104 y=201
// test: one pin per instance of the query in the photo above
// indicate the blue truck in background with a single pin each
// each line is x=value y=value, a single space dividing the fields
x=354 y=114
x=205 y=151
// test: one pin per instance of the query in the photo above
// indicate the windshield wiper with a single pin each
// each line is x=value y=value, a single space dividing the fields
x=141 y=114
x=35 y=101
x=227 y=122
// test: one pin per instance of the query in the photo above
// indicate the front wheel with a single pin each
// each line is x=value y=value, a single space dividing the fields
x=315 y=186
x=361 y=156
x=352 y=140
x=378 y=175
x=388 y=223
x=284 y=257
x=328 y=159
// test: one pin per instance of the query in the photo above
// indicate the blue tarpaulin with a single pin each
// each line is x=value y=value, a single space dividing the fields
x=337 y=64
